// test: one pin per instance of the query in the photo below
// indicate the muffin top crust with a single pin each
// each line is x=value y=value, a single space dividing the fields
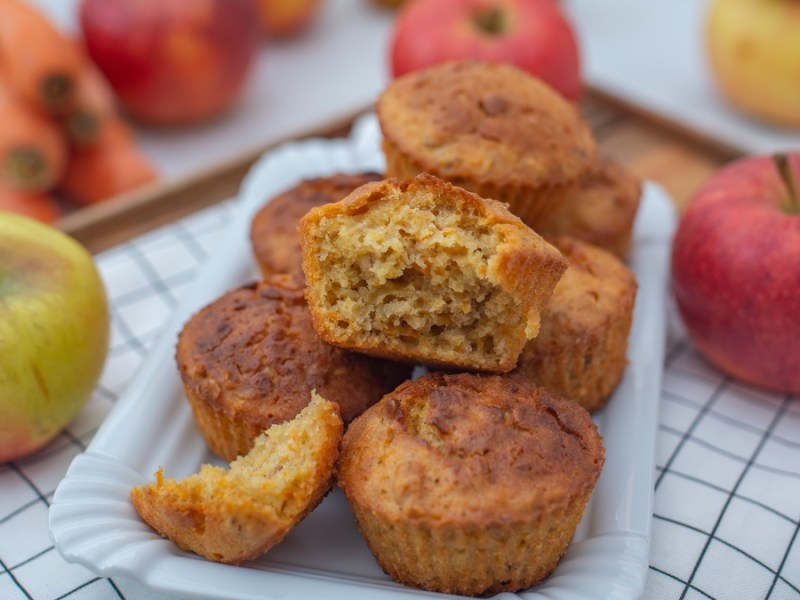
x=253 y=355
x=467 y=449
x=486 y=120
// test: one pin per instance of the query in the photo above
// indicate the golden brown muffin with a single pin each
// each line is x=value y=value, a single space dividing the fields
x=470 y=484
x=601 y=210
x=422 y=270
x=487 y=127
x=580 y=352
x=251 y=358
x=233 y=515
x=273 y=231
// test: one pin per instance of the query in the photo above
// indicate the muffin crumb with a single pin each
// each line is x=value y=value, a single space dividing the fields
x=236 y=514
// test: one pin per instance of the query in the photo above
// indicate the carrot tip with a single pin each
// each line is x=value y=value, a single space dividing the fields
x=24 y=168
x=57 y=90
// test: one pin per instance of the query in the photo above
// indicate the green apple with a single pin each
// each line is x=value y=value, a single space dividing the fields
x=754 y=52
x=54 y=330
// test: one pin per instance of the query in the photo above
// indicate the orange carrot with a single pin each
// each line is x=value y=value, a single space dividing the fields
x=36 y=205
x=110 y=166
x=42 y=64
x=33 y=151
x=94 y=105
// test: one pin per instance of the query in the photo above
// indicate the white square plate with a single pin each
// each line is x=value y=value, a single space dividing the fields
x=92 y=521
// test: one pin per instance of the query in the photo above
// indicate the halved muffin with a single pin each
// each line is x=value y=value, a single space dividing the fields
x=424 y=271
x=236 y=514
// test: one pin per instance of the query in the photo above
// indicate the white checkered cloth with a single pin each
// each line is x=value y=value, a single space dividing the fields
x=727 y=491
x=727 y=498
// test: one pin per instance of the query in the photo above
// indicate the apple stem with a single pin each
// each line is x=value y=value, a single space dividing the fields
x=491 y=21
x=781 y=161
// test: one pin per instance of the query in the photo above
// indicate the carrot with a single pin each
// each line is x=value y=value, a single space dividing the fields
x=33 y=151
x=110 y=166
x=94 y=105
x=42 y=64
x=36 y=205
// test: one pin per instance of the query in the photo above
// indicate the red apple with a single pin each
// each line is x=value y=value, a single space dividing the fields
x=285 y=18
x=736 y=270
x=534 y=35
x=172 y=62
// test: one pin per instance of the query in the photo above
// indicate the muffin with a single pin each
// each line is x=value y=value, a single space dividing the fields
x=236 y=514
x=424 y=271
x=490 y=128
x=470 y=484
x=601 y=210
x=580 y=352
x=273 y=231
x=251 y=359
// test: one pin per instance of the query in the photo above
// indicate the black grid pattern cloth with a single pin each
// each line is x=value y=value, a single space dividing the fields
x=727 y=482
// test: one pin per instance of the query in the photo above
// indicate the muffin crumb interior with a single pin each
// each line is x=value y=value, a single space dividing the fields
x=418 y=269
x=274 y=471
x=237 y=513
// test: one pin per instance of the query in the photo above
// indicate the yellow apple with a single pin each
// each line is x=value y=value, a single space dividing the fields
x=54 y=329
x=754 y=52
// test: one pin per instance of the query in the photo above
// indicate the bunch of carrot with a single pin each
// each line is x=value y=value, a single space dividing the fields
x=62 y=142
